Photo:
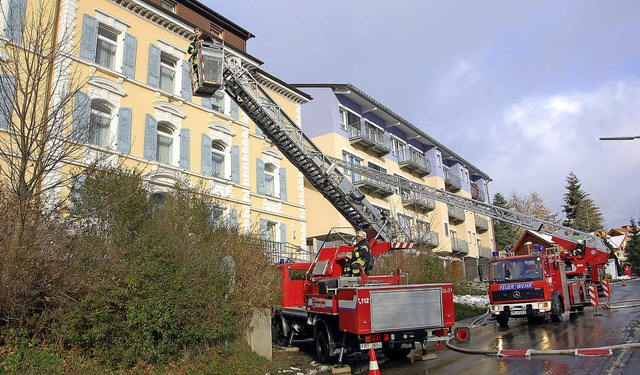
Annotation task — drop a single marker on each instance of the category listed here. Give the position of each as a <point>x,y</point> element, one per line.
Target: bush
<point>158,285</point>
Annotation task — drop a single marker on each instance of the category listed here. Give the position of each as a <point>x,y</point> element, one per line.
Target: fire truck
<point>545,282</point>
<point>340,312</point>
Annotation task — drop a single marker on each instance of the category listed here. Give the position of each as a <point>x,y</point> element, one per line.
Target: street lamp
<point>623,138</point>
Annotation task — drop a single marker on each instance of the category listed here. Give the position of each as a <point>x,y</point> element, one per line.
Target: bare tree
<point>38,89</point>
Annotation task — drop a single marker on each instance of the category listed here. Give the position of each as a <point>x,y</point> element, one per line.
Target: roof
<point>362,98</point>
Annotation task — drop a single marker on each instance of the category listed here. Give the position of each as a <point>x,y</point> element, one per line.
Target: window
<point>378,168</point>
<point>404,223</point>
<point>439,158</point>
<point>106,47</point>
<point>105,41</point>
<point>100,123</point>
<point>351,159</point>
<point>167,72</point>
<point>217,102</point>
<point>218,159</point>
<point>270,179</point>
<point>165,144</point>
<point>344,122</point>
<point>397,148</point>
<point>446,229</point>
<point>168,5</point>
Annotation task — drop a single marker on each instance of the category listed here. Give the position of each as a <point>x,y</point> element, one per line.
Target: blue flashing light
<point>540,248</point>
<point>495,254</point>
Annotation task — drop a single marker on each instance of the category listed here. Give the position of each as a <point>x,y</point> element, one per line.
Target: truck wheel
<point>394,353</point>
<point>322,346</point>
<point>502,320</point>
<point>277,331</point>
<point>556,311</point>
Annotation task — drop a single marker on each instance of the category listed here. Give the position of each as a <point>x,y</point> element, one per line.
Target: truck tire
<point>322,346</point>
<point>395,353</point>
<point>502,320</point>
<point>557,311</point>
<point>277,331</point>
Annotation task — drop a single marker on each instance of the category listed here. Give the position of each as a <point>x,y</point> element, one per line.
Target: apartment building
<point>133,55</point>
<point>348,124</point>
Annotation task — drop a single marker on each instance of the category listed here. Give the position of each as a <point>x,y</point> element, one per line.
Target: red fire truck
<point>545,282</point>
<point>343,313</point>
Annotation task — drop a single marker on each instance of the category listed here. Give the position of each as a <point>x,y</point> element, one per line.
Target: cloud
<point>541,139</point>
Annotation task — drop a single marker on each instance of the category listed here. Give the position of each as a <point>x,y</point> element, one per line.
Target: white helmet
<point>361,233</point>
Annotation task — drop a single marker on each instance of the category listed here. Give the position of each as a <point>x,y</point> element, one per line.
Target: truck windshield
<point>512,270</point>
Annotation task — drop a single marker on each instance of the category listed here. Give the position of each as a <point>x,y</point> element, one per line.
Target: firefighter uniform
<point>360,256</point>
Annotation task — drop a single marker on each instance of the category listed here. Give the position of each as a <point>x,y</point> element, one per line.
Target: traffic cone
<point>373,363</point>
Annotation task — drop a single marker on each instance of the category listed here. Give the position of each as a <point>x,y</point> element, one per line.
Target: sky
<point>521,89</point>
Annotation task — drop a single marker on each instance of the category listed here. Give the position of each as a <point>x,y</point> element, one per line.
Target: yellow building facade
<point>137,98</point>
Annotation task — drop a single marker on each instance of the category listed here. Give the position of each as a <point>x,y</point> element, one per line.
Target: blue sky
<point>521,89</point>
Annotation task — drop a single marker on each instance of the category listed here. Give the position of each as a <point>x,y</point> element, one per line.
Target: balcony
<point>370,138</point>
<point>456,214</point>
<point>426,238</point>
<point>459,247</point>
<point>415,162</point>
<point>482,224</point>
<point>476,193</point>
<point>373,186</point>
<point>452,183</point>
<point>418,201</point>
<point>485,252</point>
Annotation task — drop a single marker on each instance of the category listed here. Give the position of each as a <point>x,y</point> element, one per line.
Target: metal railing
<point>482,224</point>
<point>415,157</point>
<point>452,181</point>
<point>371,134</point>
<point>281,252</point>
<point>455,213</point>
<point>459,246</point>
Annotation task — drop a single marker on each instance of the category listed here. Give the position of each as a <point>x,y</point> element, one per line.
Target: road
<point>582,330</point>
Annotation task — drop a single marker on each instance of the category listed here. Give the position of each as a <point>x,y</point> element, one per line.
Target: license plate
<point>518,312</point>
<point>370,345</point>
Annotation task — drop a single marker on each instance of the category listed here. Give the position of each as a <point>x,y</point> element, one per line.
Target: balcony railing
<point>484,252</point>
<point>459,247</point>
<point>415,162</point>
<point>277,252</point>
<point>418,201</point>
<point>452,182</point>
<point>370,137</point>
<point>374,186</point>
<point>456,214</point>
<point>482,224</point>
<point>426,238</point>
<point>476,193</point>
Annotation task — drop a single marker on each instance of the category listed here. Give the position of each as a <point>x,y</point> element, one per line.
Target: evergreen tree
<point>633,246</point>
<point>505,234</point>
<point>581,213</point>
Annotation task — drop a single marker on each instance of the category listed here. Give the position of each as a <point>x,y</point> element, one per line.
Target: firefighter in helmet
<point>360,256</point>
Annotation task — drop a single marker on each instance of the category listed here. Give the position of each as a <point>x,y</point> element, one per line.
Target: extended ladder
<point>499,213</point>
<point>243,88</point>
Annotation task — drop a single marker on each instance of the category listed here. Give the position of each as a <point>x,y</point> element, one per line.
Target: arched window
<point>218,150</point>
<point>100,123</point>
<point>165,143</point>
<point>270,172</point>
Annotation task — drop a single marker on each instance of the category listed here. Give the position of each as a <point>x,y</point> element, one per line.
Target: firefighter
<point>360,256</point>
<point>195,46</point>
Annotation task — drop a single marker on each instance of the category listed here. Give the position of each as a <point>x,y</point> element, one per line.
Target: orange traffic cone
<point>373,363</point>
